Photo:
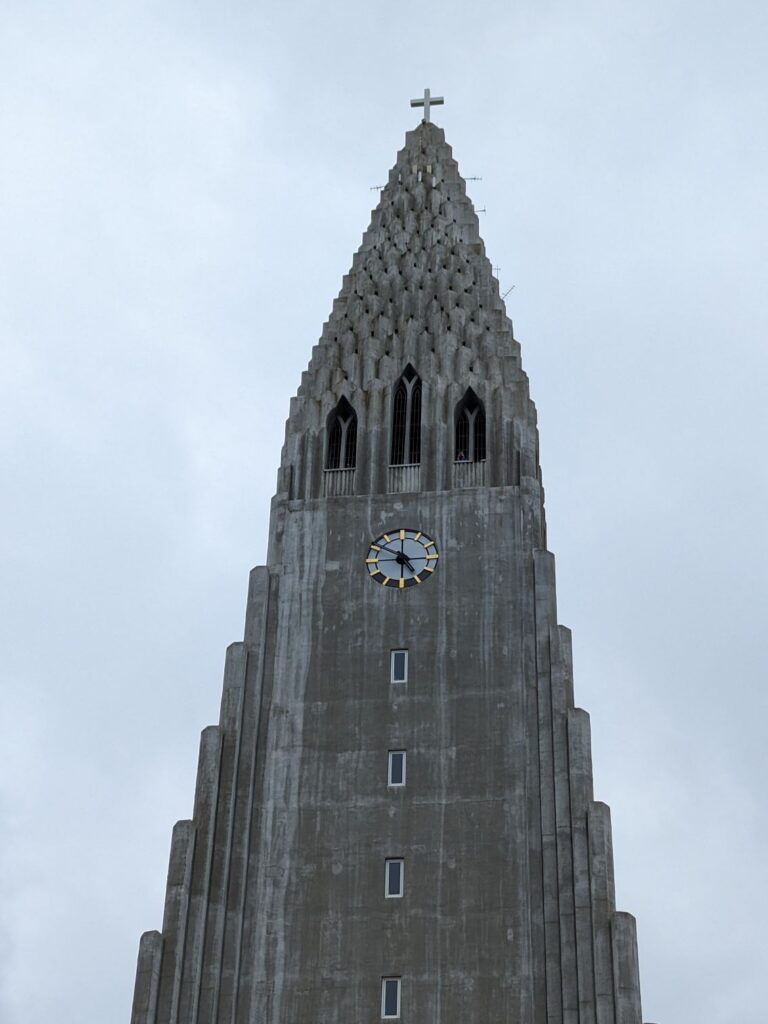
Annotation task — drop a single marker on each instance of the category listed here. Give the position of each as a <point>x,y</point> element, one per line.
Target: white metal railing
<point>404,478</point>
<point>338,482</point>
<point>468,474</point>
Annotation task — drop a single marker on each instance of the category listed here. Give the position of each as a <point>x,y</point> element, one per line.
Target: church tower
<point>394,818</point>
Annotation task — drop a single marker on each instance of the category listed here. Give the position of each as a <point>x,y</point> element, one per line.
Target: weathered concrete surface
<point>276,911</point>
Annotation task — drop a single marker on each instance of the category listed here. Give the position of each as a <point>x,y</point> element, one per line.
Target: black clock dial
<point>402,558</point>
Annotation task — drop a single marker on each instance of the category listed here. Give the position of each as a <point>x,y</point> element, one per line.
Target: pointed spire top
<point>426,102</point>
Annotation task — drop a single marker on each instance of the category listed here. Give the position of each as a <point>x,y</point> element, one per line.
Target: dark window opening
<point>414,449</point>
<point>390,998</point>
<point>341,452</point>
<point>462,438</point>
<point>480,435</point>
<point>399,666</point>
<point>470,436</point>
<point>334,446</point>
<point>406,420</point>
<point>393,879</point>
<point>396,772</point>
<point>350,448</point>
<point>399,413</point>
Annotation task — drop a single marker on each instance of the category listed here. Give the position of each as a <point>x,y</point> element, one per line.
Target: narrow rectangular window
<point>399,666</point>
<point>390,998</point>
<point>396,768</point>
<point>394,879</point>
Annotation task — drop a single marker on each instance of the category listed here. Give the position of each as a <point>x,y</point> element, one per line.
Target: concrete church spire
<point>394,818</point>
<point>421,292</point>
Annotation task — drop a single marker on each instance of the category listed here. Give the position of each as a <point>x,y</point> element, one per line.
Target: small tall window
<point>470,429</point>
<point>398,667</point>
<point>394,878</point>
<point>396,768</point>
<point>341,452</point>
<point>406,420</point>
<point>390,998</point>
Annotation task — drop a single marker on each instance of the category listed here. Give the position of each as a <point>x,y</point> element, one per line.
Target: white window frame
<point>398,982</point>
<point>387,863</point>
<point>398,650</point>
<point>390,783</point>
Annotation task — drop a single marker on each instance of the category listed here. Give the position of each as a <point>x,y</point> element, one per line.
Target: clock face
<point>402,558</point>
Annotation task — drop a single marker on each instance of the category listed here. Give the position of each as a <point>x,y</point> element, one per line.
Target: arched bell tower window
<point>406,420</point>
<point>342,437</point>
<point>470,429</point>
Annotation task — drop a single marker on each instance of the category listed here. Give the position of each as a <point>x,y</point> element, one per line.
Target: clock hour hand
<point>402,559</point>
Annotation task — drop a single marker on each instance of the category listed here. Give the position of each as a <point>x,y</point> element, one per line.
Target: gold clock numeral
<point>387,538</point>
<point>432,558</point>
<point>402,535</point>
<point>402,583</point>
<point>371,561</point>
<point>418,535</point>
<point>385,581</point>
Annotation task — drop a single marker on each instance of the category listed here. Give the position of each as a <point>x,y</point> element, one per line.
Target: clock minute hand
<point>399,556</point>
<point>391,552</point>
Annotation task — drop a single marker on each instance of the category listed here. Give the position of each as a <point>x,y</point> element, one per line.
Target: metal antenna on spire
<point>426,102</point>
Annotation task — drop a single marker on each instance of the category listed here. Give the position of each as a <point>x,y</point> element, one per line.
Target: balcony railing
<point>468,474</point>
<point>404,478</point>
<point>338,482</point>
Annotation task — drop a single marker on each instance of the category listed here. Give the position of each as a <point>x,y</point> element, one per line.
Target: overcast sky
<point>182,187</point>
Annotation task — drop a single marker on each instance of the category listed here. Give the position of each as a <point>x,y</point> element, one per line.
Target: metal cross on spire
<point>426,102</point>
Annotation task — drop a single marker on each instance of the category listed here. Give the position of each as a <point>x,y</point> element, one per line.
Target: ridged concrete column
<point>206,795</point>
<point>626,969</point>
<point>147,978</point>
<point>258,610</point>
<point>537,942</point>
<point>603,906</point>
<point>546,615</point>
<point>562,701</point>
<point>580,762</point>
<point>379,412</point>
<point>175,920</point>
<point>231,710</point>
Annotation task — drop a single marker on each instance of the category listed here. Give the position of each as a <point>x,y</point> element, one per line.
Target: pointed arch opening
<point>469,437</point>
<point>406,420</point>
<point>341,448</point>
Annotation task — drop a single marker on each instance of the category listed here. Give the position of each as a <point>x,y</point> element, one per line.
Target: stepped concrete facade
<point>411,450</point>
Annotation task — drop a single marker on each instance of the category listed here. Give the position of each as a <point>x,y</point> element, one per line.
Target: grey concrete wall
<point>275,908</point>
<point>508,910</point>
